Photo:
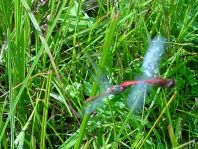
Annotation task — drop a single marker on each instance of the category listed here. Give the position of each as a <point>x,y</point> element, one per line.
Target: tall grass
<point>55,54</point>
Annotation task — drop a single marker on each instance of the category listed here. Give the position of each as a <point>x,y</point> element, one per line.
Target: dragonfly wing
<point>152,57</point>
<point>94,104</point>
<point>99,100</point>
<point>136,97</point>
<point>149,69</point>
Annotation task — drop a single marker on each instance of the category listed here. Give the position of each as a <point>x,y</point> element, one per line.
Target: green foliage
<point>55,54</point>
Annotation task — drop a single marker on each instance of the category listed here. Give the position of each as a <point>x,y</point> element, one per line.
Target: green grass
<point>55,55</point>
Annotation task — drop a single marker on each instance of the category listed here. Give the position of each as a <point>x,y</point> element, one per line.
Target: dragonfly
<point>143,84</point>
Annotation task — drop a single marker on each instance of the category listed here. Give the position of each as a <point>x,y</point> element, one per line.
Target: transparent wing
<point>149,69</point>
<point>152,57</point>
<point>94,104</point>
<point>99,100</point>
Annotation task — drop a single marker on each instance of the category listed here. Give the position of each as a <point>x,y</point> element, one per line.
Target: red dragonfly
<point>149,68</point>
<point>115,89</point>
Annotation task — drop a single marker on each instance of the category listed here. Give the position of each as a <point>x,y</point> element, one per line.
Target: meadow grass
<point>55,54</point>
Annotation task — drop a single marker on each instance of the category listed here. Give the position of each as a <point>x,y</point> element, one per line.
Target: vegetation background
<point>52,56</point>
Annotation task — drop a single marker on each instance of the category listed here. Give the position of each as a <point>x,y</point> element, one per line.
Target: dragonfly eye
<point>170,83</point>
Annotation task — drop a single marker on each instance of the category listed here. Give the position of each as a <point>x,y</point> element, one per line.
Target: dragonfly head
<point>170,83</point>
<point>115,89</point>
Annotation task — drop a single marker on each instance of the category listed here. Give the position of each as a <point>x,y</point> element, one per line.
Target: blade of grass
<point>4,143</point>
<point>172,136</point>
<point>45,111</point>
<point>103,62</point>
<point>20,137</point>
<point>109,37</point>
<point>178,128</point>
<point>159,117</point>
<point>43,40</point>
<point>185,144</point>
<point>11,100</point>
<point>82,131</point>
<point>36,60</point>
